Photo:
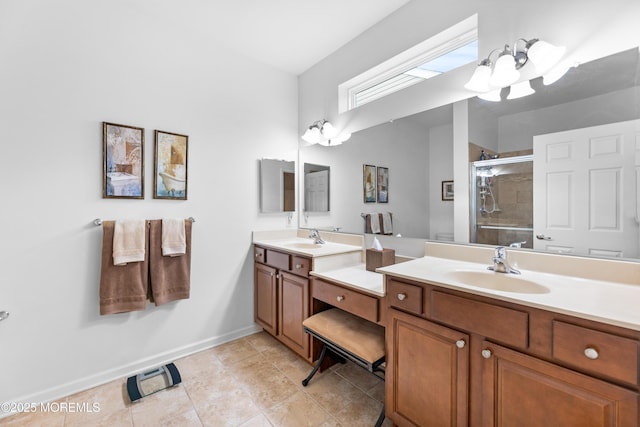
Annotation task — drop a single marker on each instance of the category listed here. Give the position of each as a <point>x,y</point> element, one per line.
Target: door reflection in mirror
<point>316,188</point>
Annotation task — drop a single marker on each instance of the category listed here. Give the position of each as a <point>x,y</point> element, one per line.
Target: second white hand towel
<point>129,241</point>
<point>174,241</point>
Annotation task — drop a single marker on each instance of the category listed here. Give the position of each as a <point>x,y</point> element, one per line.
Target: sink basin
<point>497,281</point>
<point>300,245</point>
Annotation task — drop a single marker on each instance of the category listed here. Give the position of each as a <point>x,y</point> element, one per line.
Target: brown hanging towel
<point>170,276</point>
<point>123,288</point>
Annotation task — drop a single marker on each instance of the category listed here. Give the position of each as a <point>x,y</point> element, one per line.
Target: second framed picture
<point>383,185</point>
<point>170,166</point>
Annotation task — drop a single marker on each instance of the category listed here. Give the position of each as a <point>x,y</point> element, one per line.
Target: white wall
<point>66,67</point>
<point>440,169</point>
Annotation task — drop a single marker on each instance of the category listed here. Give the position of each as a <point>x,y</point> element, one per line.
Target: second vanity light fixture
<point>489,77</point>
<point>324,133</point>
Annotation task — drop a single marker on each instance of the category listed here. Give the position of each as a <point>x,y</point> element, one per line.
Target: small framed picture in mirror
<point>447,190</point>
<point>383,184</point>
<point>369,183</point>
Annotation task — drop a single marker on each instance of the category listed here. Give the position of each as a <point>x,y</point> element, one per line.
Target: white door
<point>586,195</point>
<point>316,191</point>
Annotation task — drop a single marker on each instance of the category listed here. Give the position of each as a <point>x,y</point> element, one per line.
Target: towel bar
<point>98,222</point>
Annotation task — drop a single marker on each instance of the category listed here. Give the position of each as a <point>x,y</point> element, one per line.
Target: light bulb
<point>504,72</point>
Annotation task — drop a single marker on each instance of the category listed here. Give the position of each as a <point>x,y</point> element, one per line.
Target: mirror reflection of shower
<point>502,201</point>
<point>485,174</point>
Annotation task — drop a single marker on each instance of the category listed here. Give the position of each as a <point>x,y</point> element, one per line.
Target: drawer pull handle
<point>402,297</point>
<point>591,353</point>
<point>258,255</point>
<point>460,343</point>
<point>298,266</point>
<point>486,353</point>
<point>340,298</point>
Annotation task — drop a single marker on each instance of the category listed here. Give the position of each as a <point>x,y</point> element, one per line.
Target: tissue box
<point>376,258</point>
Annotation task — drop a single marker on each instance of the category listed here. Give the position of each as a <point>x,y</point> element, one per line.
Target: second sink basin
<point>497,281</point>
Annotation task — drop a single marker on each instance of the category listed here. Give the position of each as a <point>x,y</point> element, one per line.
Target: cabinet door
<point>265,301</point>
<point>427,373</point>
<point>294,308</point>
<point>520,390</point>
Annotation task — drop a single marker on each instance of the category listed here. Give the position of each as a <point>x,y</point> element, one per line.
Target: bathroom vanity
<point>558,344</point>
<point>547,351</point>
<point>282,296</point>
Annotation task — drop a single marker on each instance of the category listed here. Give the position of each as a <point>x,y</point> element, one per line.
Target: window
<point>450,49</point>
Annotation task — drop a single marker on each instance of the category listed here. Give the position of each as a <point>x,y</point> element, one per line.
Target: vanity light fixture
<point>505,71</point>
<point>324,133</point>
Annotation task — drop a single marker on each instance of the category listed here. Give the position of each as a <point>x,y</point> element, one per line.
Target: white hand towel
<point>375,223</point>
<point>174,241</point>
<point>386,223</point>
<point>129,241</point>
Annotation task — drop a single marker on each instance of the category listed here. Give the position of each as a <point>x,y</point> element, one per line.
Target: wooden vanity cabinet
<point>427,372</point>
<point>281,296</point>
<point>519,366</point>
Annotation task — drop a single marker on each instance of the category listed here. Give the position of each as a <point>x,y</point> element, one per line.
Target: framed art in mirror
<point>170,166</point>
<point>369,183</point>
<point>123,161</point>
<point>447,190</point>
<point>383,184</point>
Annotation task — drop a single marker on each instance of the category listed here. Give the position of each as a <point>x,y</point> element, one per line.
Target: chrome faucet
<point>316,236</point>
<point>500,263</point>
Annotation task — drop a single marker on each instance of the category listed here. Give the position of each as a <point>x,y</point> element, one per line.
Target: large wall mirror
<point>418,150</point>
<point>277,186</point>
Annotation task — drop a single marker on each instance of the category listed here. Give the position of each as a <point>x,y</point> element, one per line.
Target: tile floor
<point>251,382</point>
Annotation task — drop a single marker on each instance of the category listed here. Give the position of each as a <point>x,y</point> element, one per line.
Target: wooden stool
<point>348,337</point>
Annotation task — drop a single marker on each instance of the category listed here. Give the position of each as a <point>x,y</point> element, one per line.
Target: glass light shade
<point>493,96</point>
<point>479,81</point>
<point>545,55</point>
<point>504,72</point>
<point>520,90</point>
<point>556,73</point>
<point>312,135</point>
<point>330,142</point>
<point>328,131</point>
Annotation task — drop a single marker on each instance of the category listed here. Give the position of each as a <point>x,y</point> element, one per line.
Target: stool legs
<point>323,353</point>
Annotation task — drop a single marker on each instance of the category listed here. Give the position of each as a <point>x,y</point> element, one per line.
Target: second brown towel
<point>170,277</point>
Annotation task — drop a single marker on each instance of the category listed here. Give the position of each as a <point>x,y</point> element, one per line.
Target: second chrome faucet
<point>500,263</point>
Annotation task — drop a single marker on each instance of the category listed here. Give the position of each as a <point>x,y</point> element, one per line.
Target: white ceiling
<point>292,35</point>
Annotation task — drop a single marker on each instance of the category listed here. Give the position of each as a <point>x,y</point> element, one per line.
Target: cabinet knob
<point>258,255</point>
<point>591,353</point>
<point>270,274</point>
<point>486,353</point>
<point>402,297</point>
<point>277,276</point>
<point>298,266</point>
<point>340,298</point>
<point>460,343</point>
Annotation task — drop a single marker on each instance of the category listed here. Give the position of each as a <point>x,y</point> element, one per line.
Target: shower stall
<point>502,201</point>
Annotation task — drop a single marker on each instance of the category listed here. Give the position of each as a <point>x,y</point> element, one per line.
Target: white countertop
<point>306,247</point>
<point>355,277</point>
<point>607,302</point>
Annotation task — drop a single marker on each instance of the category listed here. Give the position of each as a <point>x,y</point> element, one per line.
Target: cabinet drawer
<point>595,351</point>
<point>356,303</point>
<point>277,259</point>
<point>405,296</point>
<point>300,266</point>
<point>258,254</point>
<point>491,321</point>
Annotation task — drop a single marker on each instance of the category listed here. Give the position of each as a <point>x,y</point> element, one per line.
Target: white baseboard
<point>81,384</point>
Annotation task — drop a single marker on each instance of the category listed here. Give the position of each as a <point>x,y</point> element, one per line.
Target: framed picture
<point>447,190</point>
<point>170,166</point>
<point>369,183</point>
<point>123,161</point>
<point>383,185</point>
